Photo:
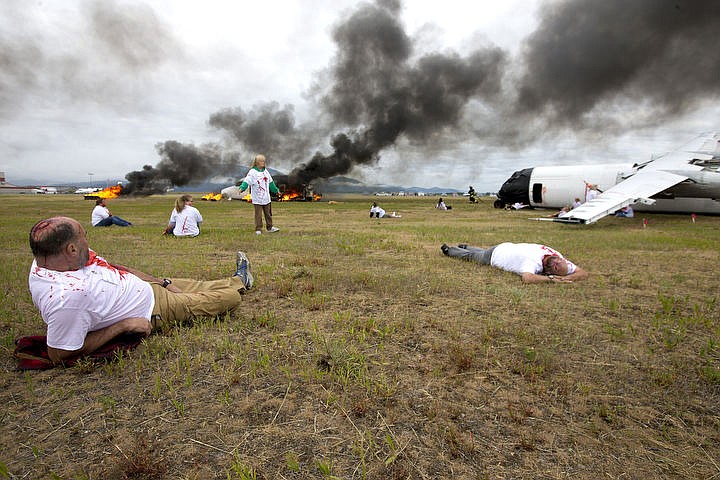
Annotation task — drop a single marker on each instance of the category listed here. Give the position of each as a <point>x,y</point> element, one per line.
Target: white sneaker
<point>258,232</point>
<point>273,230</point>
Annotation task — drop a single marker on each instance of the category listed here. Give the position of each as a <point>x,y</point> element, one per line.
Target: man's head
<point>60,242</point>
<point>554,265</point>
<point>100,201</point>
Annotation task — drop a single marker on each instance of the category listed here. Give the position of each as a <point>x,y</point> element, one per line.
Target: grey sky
<point>93,86</point>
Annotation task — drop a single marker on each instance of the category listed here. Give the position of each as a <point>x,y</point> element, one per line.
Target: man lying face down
<point>86,301</point>
<point>535,263</point>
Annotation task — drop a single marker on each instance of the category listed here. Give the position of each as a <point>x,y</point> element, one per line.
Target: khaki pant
<point>198,298</point>
<point>261,210</point>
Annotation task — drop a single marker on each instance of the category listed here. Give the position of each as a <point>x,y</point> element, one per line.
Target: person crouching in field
<point>87,301</point>
<point>261,186</point>
<point>185,219</point>
<point>535,263</point>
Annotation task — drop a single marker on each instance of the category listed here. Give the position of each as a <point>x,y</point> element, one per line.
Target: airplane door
<point>537,193</point>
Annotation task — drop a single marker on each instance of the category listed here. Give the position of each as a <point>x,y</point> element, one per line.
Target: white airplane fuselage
<point>559,186</point>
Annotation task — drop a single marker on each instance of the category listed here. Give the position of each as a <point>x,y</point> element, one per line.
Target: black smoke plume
<point>181,165</point>
<point>587,54</point>
<point>377,83</point>
<point>591,66</point>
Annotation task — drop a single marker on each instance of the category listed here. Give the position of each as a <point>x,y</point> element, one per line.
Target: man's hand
<point>528,277</point>
<point>137,325</point>
<point>578,275</point>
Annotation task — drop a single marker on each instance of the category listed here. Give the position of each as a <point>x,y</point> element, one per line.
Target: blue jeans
<point>112,220</point>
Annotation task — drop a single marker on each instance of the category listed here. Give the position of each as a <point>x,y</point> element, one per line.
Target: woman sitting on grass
<point>185,219</point>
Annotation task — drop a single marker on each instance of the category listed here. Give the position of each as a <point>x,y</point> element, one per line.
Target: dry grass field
<point>363,352</point>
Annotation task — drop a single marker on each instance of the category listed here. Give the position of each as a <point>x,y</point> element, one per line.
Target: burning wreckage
<point>289,191</point>
<point>107,193</point>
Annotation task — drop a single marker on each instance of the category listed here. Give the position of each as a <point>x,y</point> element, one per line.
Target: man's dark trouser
<point>472,254</point>
<point>260,211</point>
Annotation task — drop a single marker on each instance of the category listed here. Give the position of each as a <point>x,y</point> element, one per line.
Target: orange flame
<point>213,197</point>
<point>286,197</point>
<point>110,192</point>
<point>294,194</point>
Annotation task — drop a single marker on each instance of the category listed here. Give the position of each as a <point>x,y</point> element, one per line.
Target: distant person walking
<point>472,195</point>
<point>101,216</point>
<point>185,219</point>
<point>261,186</point>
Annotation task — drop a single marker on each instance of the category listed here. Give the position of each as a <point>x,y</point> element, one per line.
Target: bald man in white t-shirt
<point>534,263</point>
<point>87,301</point>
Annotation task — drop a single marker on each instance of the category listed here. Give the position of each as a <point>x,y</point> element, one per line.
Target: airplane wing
<point>636,189</point>
<point>650,178</point>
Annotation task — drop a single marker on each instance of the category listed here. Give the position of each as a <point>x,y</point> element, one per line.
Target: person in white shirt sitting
<point>185,219</point>
<point>101,216</point>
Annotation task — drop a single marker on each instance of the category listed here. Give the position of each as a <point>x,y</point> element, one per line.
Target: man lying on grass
<point>535,263</point>
<point>86,301</point>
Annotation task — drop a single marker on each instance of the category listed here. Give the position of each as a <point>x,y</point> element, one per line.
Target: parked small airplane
<point>685,180</point>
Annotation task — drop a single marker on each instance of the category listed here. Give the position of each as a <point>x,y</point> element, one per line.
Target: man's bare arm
<point>141,275</point>
<point>528,277</point>
<point>98,338</point>
<point>578,275</point>
<point>147,277</point>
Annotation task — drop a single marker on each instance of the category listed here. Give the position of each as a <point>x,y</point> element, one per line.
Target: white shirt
<point>187,222</point>
<point>259,185</point>
<point>524,257</point>
<point>378,210</point>
<point>99,213</point>
<point>96,296</point>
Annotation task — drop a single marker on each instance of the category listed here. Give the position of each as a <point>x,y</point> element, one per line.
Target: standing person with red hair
<point>261,186</point>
